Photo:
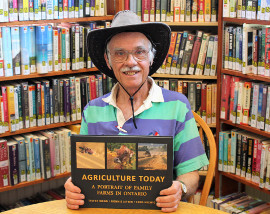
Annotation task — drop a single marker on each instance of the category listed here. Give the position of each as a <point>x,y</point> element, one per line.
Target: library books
<point>174,11</point>
<point>202,96</point>
<point>42,49</point>
<point>246,155</point>
<point>245,102</point>
<point>43,102</point>
<point>247,9</point>
<point>24,10</point>
<point>245,49</point>
<point>30,157</point>
<point>240,202</point>
<point>191,54</point>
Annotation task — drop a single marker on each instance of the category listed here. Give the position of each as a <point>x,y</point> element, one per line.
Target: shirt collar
<point>155,94</point>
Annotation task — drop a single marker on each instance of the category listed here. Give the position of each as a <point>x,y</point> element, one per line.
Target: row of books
<point>174,10</point>
<point>33,156</point>
<point>245,102</point>
<point>43,102</point>
<point>197,197</point>
<point>50,195</point>
<point>249,9</point>
<point>191,54</point>
<point>246,49</point>
<point>43,49</point>
<point>202,96</point>
<point>246,155</point>
<point>241,202</point>
<point>24,10</point>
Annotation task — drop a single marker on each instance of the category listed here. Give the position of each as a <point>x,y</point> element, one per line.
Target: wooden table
<point>59,207</point>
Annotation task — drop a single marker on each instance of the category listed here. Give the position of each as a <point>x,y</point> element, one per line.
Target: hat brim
<point>159,33</point>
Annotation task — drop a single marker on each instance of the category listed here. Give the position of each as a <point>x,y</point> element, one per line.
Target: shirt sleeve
<point>189,154</point>
<point>84,127</point>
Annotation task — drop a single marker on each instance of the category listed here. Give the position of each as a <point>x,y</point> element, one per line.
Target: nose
<point>130,60</point>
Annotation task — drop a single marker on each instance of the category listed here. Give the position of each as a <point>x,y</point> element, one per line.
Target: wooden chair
<point>203,127</point>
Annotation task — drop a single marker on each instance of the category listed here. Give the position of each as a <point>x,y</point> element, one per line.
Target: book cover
<point>195,52</point>
<point>37,9</point>
<point>4,168</point>
<point>29,147</point>
<point>264,101</point>
<point>181,52</point>
<point>250,143</point>
<point>67,146</point>
<point>260,104</point>
<point>198,97</point>
<point>209,104</point>
<point>187,54</point>
<point>171,52</point>
<point>203,101</point>
<point>67,105</point>
<point>106,164</point>
<point>209,55</point>
<point>264,156</point>
<point>188,11</point>
<point>202,54</point>
<point>192,95</point>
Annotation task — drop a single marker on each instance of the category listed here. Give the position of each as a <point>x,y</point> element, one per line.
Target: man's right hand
<point>74,198</point>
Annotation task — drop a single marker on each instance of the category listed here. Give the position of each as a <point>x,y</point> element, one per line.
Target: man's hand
<point>74,198</point>
<point>170,198</point>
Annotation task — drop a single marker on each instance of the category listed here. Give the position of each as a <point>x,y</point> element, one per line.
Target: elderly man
<point>131,51</point>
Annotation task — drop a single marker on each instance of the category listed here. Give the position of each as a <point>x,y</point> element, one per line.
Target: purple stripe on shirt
<point>98,102</point>
<point>103,128</point>
<point>188,150</point>
<point>173,96</point>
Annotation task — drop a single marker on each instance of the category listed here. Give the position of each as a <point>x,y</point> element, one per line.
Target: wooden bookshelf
<point>248,128</point>
<point>39,128</point>
<point>246,76</point>
<point>47,21</point>
<point>50,74</point>
<point>244,181</point>
<point>247,21</point>
<point>29,183</point>
<point>192,24</point>
<point>171,76</point>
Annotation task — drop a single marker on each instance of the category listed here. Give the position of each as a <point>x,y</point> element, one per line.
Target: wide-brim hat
<point>127,21</point>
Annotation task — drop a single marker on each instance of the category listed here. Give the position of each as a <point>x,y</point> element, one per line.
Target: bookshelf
<point>227,182</point>
<point>184,76</point>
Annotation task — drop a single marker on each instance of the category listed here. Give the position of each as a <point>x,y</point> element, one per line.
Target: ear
<point>107,61</point>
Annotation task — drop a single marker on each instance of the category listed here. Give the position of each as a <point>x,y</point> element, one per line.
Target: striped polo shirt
<point>163,113</point>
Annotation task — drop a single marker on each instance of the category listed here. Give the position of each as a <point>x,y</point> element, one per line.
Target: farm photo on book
<point>121,171</point>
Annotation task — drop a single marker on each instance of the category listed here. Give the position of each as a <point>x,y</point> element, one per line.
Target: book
<point>8,65</point>
<point>42,49</point>
<point>16,50</point>
<point>13,162</point>
<point>4,169</point>
<point>94,147</point>
<point>225,94</point>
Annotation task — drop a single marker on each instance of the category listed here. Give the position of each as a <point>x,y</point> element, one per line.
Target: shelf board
<point>50,74</point>
<point>192,23</point>
<point>184,76</point>
<point>39,128</point>
<point>84,19</point>
<point>247,76</point>
<point>29,183</point>
<point>247,21</point>
<point>244,181</point>
<point>248,128</point>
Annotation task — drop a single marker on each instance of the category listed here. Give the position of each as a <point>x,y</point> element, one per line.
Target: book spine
<point>55,86</point>
<point>246,102</point>
<point>267,116</point>
<point>42,49</point>
<point>176,52</point>
<point>47,157</point>
<point>72,98</point>
<point>65,9</point>
<point>24,42</point>
<point>187,54</point>
<point>209,56</point>
<point>191,95</point>
<point>4,168</point>
<point>31,9</point>
<point>250,144</point>
<point>77,47</point>
<point>11,108</point>
<point>13,163</point>
<point>220,153</point>
<point>25,105</point>
<point>32,48</point>
<point>260,103</point>
<point>1,55</point>
<point>16,107</point>
<point>225,97</point>
<point>55,50</point>
<point>146,10</point>
<point>36,145</point>
<point>195,52</point>
<point>16,50</point>
<point>8,65</point>
<point>208,104</point>
<point>214,103</point>
<point>87,8</point>
<point>1,11</point>
<point>25,10</point>
<point>60,9</point>
<point>61,100</point>
<point>258,163</point>
<point>67,100</point>
<point>63,49</point>
<point>233,151</point>
<point>50,48</point>
<point>37,9</point>
<point>254,160</point>
<point>19,91</point>
<point>254,109</point>
<point>46,85</point>
<point>49,9</point>
<point>264,101</point>
<point>68,49</point>
<point>31,106</point>
<point>81,52</point>
<point>263,165</point>
<point>78,98</point>
<point>170,52</point>
<point>239,114</point>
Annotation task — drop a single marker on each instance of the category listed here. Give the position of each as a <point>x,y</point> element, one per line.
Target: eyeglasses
<point>122,55</point>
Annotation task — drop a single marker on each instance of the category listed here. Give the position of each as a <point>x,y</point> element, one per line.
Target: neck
<point>139,97</point>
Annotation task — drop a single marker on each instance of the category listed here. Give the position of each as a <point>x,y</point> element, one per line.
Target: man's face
<point>131,73</point>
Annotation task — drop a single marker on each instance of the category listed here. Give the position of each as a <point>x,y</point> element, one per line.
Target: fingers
<point>173,189</point>
<point>71,187</point>
<point>74,198</point>
<point>168,210</point>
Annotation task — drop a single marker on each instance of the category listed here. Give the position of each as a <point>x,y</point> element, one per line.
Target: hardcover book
<point>121,171</point>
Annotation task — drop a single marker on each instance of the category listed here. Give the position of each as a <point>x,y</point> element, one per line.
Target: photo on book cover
<point>121,171</point>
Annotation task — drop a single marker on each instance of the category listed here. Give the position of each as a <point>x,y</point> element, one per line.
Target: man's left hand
<point>170,198</point>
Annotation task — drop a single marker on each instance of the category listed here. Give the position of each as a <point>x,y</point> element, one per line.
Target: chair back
<point>203,127</point>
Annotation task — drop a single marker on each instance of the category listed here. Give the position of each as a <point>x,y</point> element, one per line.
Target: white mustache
<point>125,69</point>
